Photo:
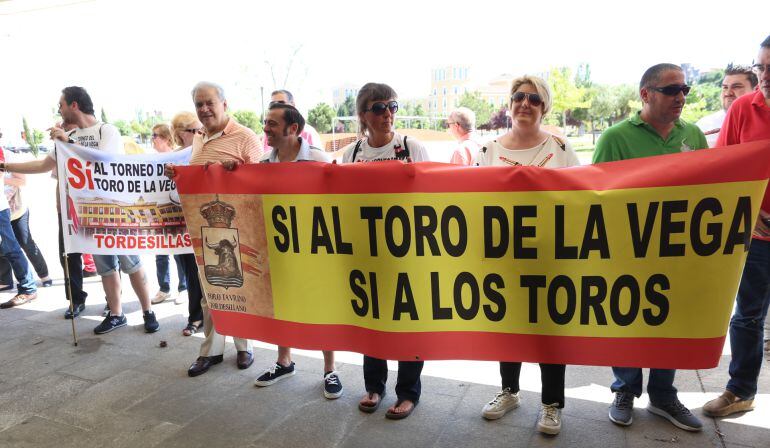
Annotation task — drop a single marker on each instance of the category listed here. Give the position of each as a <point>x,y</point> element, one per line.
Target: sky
<point>141,55</point>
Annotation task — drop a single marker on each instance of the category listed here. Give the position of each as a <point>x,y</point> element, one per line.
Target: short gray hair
<point>464,117</point>
<point>288,94</point>
<point>209,85</point>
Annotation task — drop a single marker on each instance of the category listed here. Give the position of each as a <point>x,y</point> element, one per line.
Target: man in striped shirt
<point>230,144</point>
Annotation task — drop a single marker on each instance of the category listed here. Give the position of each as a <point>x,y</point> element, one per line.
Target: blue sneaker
<point>677,414</point>
<point>332,385</point>
<point>151,324</point>
<point>111,323</point>
<point>274,374</point>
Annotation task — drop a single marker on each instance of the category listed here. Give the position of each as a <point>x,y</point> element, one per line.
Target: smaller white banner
<point>115,204</point>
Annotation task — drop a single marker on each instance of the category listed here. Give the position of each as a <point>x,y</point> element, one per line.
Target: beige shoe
<point>160,297</point>
<point>181,297</point>
<point>726,404</point>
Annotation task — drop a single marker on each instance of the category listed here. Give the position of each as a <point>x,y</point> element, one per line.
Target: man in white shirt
<point>76,108</point>
<point>308,134</point>
<point>283,127</point>
<point>737,82</point>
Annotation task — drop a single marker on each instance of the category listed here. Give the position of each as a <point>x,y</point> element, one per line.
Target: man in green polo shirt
<point>655,130</point>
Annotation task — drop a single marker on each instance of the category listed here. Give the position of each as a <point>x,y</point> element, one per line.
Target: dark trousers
<point>551,378</point>
<point>75,265</point>
<point>24,237</point>
<point>194,291</point>
<point>408,386</point>
<point>746,325</point>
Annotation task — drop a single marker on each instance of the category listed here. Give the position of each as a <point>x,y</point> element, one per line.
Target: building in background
<point>342,92</point>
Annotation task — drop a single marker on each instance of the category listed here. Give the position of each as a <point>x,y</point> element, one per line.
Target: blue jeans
<point>660,385</point>
<point>746,326</point>
<point>12,252</point>
<point>164,278</point>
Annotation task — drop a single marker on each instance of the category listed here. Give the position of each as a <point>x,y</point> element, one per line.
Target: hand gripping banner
<point>631,263</point>
<point>116,204</point>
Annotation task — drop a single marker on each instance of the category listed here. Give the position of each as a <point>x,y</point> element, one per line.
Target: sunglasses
<point>533,98</point>
<point>273,103</point>
<point>155,135</point>
<point>191,131</point>
<point>380,107</point>
<point>672,89</point>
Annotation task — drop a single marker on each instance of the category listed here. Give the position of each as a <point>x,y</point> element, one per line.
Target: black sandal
<point>192,328</point>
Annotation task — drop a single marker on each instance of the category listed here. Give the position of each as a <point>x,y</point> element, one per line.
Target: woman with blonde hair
<point>527,144</point>
<point>184,126</point>
<point>163,142</point>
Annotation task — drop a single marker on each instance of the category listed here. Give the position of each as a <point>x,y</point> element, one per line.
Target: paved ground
<point>124,390</point>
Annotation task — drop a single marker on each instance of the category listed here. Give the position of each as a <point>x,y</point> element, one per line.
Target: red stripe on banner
<point>663,353</point>
<point>730,164</point>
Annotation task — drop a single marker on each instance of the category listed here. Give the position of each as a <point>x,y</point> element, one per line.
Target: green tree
<point>321,117</point>
<point>482,109</point>
<point>104,116</point>
<point>248,118</point>
<point>140,128</point>
<point>123,127</point>
<point>567,95</point>
<point>347,108</point>
<point>33,137</point>
<point>702,100</point>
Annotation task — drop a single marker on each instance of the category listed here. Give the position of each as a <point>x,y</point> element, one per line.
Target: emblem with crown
<point>218,214</point>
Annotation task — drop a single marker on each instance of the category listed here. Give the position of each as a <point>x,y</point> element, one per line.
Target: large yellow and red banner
<point>631,263</point>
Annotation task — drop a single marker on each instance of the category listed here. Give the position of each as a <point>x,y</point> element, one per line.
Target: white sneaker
<point>549,420</point>
<point>503,402</point>
<point>180,298</point>
<point>160,297</point>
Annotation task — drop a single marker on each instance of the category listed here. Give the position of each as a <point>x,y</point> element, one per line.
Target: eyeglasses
<point>273,103</point>
<point>533,98</point>
<point>450,123</point>
<point>672,89</point>
<point>191,131</point>
<point>380,107</point>
<point>761,68</point>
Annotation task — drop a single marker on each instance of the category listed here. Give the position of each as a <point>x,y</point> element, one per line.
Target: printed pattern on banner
<point>630,263</point>
<point>120,204</point>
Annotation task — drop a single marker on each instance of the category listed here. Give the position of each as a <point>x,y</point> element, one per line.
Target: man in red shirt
<point>747,120</point>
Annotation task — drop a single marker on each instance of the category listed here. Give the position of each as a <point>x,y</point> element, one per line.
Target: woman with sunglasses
<point>527,144</point>
<point>376,106</point>
<point>184,126</point>
<point>162,141</point>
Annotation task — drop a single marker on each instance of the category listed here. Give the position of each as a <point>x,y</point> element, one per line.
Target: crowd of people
<point>217,138</point>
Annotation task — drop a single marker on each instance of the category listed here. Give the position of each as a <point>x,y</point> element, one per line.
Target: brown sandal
<point>400,415</point>
<point>372,407</point>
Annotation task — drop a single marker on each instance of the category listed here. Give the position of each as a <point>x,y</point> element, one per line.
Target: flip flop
<point>370,408</point>
<point>400,415</point>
